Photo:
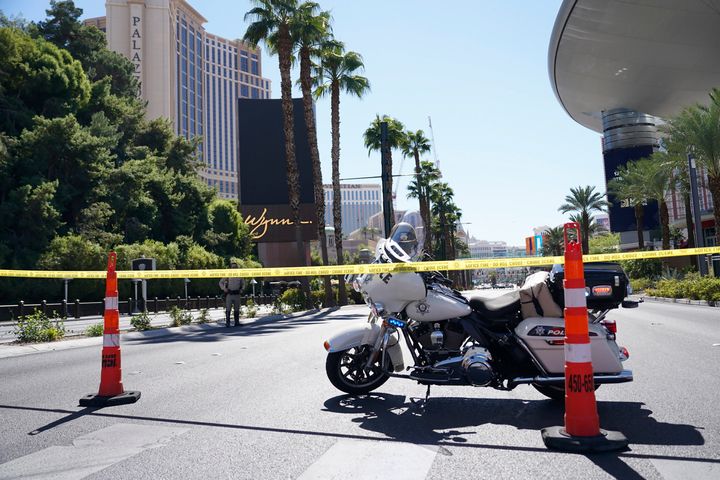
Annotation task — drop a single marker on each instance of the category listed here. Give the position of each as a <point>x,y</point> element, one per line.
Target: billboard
<point>622,217</point>
<point>263,191</point>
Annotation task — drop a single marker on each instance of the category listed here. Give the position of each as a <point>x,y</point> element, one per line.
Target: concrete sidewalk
<point>75,328</point>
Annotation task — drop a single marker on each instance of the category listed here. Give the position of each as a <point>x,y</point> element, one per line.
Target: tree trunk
<point>585,227</point>
<point>639,220</point>
<point>391,205</point>
<point>337,211</point>
<point>306,86</point>
<point>293,177</point>
<point>424,208</point>
<point>665,224</point>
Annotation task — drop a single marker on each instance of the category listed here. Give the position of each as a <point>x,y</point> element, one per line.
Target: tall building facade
<point>188,76</point>
<point>358,202</point>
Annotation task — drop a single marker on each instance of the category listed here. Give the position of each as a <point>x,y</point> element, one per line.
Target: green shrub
<point>180,317</point>
<point>643,268</point>
<point>37,327</point>
<point>693,287</point>
<point>293,298</point>
<point>317,297</point>
<point>277,306</point>
<point>250,309</point>
<point>94,330</point>
<point>141,322</point>
<point>203,316</point>
<point>640,284</point>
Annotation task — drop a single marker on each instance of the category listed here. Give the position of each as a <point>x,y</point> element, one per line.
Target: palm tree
<point>338,71</point>
<point>415,144</point>
<point>271,23</point>
<point>657,173</point>
<point>396,138</point>
<point>553,241</point>
<point>698,129</point>
<point>420,188</point>
<point>584,201</point>
<point>310,30</point>
<point>681,181</point>
<point>443,209</point>
<point>628,186</point>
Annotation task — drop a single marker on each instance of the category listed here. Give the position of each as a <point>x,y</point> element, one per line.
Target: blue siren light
<point>396,322</point>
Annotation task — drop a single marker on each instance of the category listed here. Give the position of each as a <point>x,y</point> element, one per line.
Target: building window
<point>244,91</point>
<point>244,64</point>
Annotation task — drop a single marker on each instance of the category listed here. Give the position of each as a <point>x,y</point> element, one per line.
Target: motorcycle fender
<point>365,334</point>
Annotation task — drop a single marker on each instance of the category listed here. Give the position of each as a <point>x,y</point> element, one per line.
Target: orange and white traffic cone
<point>111,391</point>
<point>581,432</point>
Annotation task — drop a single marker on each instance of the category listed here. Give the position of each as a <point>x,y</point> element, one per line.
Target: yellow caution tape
<point>465,264</point>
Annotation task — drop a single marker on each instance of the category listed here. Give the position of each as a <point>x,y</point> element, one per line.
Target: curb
<point>680,301</point>
<point>10,351</point>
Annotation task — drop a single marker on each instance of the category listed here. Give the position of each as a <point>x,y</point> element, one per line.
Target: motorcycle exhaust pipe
<point>622,377</point>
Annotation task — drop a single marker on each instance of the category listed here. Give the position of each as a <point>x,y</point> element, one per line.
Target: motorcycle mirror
<point>630,304</point>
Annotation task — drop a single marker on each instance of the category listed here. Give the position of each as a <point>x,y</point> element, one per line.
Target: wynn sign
<point>264,199</point>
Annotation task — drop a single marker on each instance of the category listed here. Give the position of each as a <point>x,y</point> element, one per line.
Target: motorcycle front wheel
<point>346,371</point>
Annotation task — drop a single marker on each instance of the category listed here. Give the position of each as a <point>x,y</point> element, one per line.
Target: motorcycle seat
<point>504,307</point>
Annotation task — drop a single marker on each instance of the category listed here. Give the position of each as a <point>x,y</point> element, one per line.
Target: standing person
<point>232,287</point>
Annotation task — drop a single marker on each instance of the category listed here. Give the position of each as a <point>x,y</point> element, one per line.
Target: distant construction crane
<point>434,146</point>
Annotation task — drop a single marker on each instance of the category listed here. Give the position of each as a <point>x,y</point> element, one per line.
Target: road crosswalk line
<point>89,453</point>
<point>366,460</point>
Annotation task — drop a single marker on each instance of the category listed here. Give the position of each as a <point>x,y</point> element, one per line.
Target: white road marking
<point>682,470</point>
<point>180,363</point>
<point>365,460</point>
<point>716,344</point>
<point>89,453</point>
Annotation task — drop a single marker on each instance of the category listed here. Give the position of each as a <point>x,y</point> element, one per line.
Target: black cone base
<point>557,438</point>
<point>92,400</point>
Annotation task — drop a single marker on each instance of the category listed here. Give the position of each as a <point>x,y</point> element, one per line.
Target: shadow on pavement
<point>262,326</point>
<point>68,418</point>
<point>401,421</point>
<point>445,418</point>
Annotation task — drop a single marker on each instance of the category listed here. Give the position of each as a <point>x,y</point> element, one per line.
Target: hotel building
<point>189,76</point>
<point>358,202</point>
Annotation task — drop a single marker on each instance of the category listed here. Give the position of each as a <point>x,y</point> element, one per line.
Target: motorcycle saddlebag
<point>606,285</point>
<point>536,300</point>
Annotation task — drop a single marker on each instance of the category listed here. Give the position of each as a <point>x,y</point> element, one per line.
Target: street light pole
<point>697,217</point>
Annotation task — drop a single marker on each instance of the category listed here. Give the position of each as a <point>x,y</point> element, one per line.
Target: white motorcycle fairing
<point>436,307</point>
<point>366,334</point>
<point>393,290</point>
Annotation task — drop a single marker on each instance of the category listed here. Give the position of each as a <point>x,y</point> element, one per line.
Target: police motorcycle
<point>454,340</point>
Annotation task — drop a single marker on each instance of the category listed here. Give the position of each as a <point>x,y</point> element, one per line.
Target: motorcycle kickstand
<point>421,404</point>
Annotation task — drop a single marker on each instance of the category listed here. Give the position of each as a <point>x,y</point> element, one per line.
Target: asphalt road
<point>254,402</point>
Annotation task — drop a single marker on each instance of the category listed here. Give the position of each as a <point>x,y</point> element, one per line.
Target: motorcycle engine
<point>477,367</point>
<point>427,334</point>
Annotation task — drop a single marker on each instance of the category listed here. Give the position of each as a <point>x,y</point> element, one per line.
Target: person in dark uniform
<point>232,286</point>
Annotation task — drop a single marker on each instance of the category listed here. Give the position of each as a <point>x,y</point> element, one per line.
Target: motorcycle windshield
<point>404,235</point>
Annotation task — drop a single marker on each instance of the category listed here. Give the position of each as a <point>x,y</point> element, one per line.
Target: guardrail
<point>78,309</point>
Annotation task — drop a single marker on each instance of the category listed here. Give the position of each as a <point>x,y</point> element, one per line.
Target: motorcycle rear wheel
<point>346,371</point>
<point>553,392</point>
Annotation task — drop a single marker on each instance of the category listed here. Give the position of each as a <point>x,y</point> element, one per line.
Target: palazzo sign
<point>264,199</point>
<point>136,42</point>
